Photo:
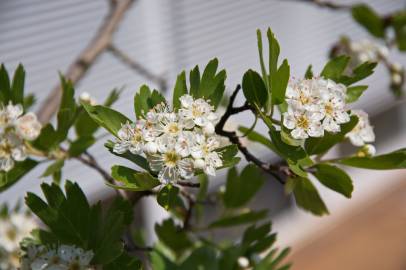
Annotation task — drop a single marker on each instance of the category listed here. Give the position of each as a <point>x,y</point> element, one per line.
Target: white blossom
<point>15,129</point>
<point>13,228</point>
<point>175,143</point>
<point>87,98</point>
<point>363,132</point>
<point>63,257</point>
<point>314,106</point>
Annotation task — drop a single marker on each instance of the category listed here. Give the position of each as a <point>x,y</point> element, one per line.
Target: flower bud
<point>243,262</point>
<point>150,148</point>
<point>199,163</point>
<point>396,78</point>
<point>368,150</point>
<point>208,129</point>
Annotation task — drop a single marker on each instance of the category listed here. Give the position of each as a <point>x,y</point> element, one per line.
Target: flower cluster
<point>15,129</point>
<point>314,106</point>
<point>63,257</point>
<point>176,143</point>
<point>13,229</point>
<point>366,50</point>
<point>362,134</point>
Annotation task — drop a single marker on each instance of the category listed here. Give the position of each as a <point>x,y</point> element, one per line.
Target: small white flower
<point>130,137</point>
<point>243,262</point>
<point>363,132</point>
<point>28,127</point>
<point>204,150</point>
<point>87,98</point>
<point>196,112</point>
<point>303,124</point>
<point>333,108</point>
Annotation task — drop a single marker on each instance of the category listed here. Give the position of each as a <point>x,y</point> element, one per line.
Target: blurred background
<point>164,37</point>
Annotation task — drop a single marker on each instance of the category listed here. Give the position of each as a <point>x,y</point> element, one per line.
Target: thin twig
<point>138,68</point>
<point>327,4</point>
<point>189,212</point>
<point>88,56</point>
<point>232,136</point>
<point>188,184</point>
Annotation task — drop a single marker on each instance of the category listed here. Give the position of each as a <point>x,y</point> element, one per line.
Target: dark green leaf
<point>137,159</point>
<point>254,88</point>
<point>28,101</point>
<point>334,178</point>
<point>80,145</point>
<point>168,197</point>
<point>241,189</point>
<point>399,25</point>
<point>47,140</point>
<point>132,180</point>
<point>141,101</point>
<point>335,67</point>
<point>112,97</point>
<point>369,19</point>
<point>7,179</point>
<point>287,151</point>
<point>279,83</point>
<point>354,92</point>
<point>67,110</point>
<point>5,89</point>
<point>194,79</point>
<point>228,155</point>
<point>316,146</point>
<point>180,89</point>
<point>390,161</point>
<point>243,218</point>
<point>124,262</point>
<point>359,73</point>
<point>256,137</point>
<point>17,87</point>
<point>173,236</point>
<point>309,72</point>
<point>108,118</point>
<point>261,60</point>
<point>204,257</point>
<point>54,167</point>
<point>308,198</point>
<point>273,56</point>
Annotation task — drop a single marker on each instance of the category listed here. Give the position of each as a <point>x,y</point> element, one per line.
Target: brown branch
<point>232,136</point>
<point>188,184</point>
<point>88,56</point>
<point>327,4</point>
<point>131,63</point>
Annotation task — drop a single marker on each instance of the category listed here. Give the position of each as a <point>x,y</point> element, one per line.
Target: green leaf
<point>399,25</point>
<point>254,88</point>
<point>136,159</point>
<point>240,189</point>
<point>7,179</point>
<point>67,110</point>
<point>194,78</point>
<point>161,262</point>
<point>168,197</point>
<point>354,92</point>
<point>359,73</point>
<point>335,67</point>
<point>29,101</point>
<point>309,72</point>
<point>228,155</point>
<point>273,56</point>
<point>287,151</point>
<point>80,145</point>
<point>48,138</point>
<point>334,178</point>
<point>141,101</point>
<point>308,198</point>
<point>243,218</point>
<point>132,180</point>
<point>17,87</point>
<point>112,97</point>
<point>280,82</point>
<point>204,257</point>
<point>173,236</point>
<point>390,161</point>
<point>84,124</point>
<point>257,137</point>
<point>5,89</point>
<point>316,146</point>
<point>180,89</point>
<point>54,167</point>
<point>124,262</point>
<point>208,82</point>
<point>261,61</point>
<point>369,19</point>
<point>270,262</point>
<point>108,118</point>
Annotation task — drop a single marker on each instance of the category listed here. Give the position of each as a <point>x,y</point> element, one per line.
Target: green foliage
<point>279,83</point>
<point>132,180</point>
<point>228,155</point>
<point>369,19</point>
<point>7,179</point>
<point>173,236</point>
<point>168,197</point>
<point>54,167</point>
<point>316,146</point>
<point>180,89</point>
<point>241,188</point>
<point>144,100</point>
<point>354,92</point>
<point>254,88</point>
<point>294,153</point>
<point>335,68</point>
<point>17,86</point>
<point>239,219</point>
<point>67,110</point>
<point>309,72</point>
<point>359,73</point>
<point>108,118</point>
<point>80,145</point>
<point>307,197</point>
<point>71,220</point>
<point>399,23</point>
<point>334,178</point>
<point>136,159</point>
<point>390,161</point>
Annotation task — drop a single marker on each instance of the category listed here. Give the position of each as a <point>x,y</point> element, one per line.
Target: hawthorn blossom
<point>63,257</point>
<point>175,143</point>
<point>363,132</point>
<point>15,129</point>
<point>366,50</point>
<point>13,228</point>
<point>87,98</point>
<point>314,106</point>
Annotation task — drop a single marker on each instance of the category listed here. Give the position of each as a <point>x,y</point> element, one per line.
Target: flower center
<point>137,138</point>
<point>171,158</point>
<point>304,99</point>
<point>11,234</point>
<point>173,128</point>
<point>329,108</point>
<point>196,112</point>
<point>302,122</point>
